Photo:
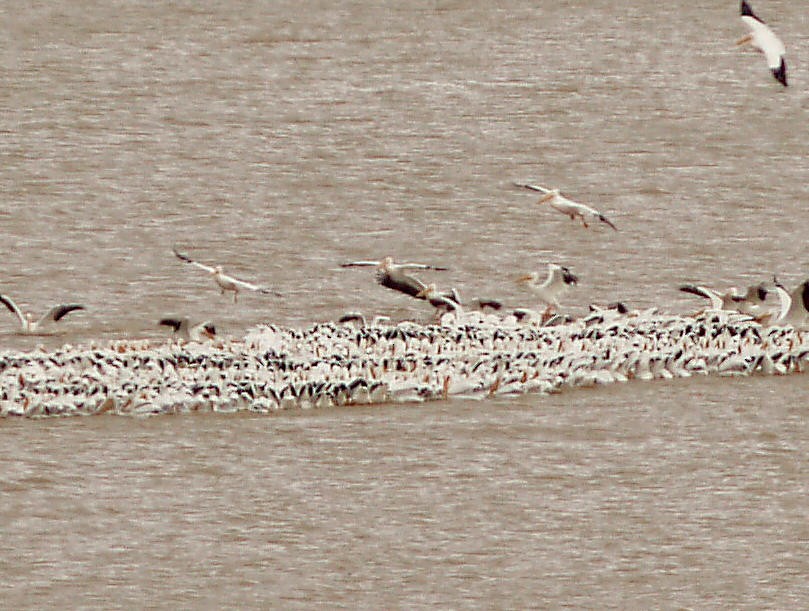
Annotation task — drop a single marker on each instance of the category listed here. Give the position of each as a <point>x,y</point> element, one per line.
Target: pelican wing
<point>174,323</point>
<point>352,317</point>
<point>396,265</point>
<point>9,303</point>
<point>266,291</point>
<point>765,40</point>
<point>494,304</point>
<point>606,221</point>
<point>402,283</point>
<point>804,289</point>
<point>56,313</point>
<point>186,259</point>
<point>242,284</point>
<point>537,188</point>
<point>252,287</point>
<point>785,302</point>
<point>701,291</point>
<point>421,266</point>
<point>361,264</point>
<point>798,304</point>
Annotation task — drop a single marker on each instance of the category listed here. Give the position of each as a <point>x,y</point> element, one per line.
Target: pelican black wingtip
<point>780,73</point>
<point>747,11</point>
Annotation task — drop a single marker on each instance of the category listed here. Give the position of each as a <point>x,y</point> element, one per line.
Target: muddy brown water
<point>280,139</point>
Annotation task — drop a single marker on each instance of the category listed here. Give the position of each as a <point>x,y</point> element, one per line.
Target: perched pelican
<point>392,275</point>
<point>557,281</point>
<point>749,303</point>
<point>225,282</point>
<point>794,307</point>
<point>28,325</point>
<point>185,330</point>
<point>572,209</point>
<point>764,40</point>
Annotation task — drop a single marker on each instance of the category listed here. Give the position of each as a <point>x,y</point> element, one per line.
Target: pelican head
<point>217,270</point>
<point>386,264</point>
<point>760,292</point>
<point>525,279</point>
<point>208,330</point>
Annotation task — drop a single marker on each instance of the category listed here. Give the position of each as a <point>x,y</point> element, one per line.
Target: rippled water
<point>282,138</point>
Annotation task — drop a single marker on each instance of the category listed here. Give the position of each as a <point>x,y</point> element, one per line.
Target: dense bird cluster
<point>333,364</point>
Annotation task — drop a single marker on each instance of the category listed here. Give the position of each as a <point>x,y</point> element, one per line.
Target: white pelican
<point>557,281</point>
<point>225,282</point>
<point>30,326</point>
<point>392,275</point>
<point>184,329</point>
<point>568,207</point>
<point>764,40</point>
<point>749,303</point>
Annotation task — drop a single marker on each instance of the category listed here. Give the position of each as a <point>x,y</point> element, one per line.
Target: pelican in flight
<point>549,291</point>
<point>392,275</point>
<point>28,325</point>
<point>764,40</point>
<point>750,303</point>
<point>574,210</point>
<point>225,282</point>
<point>183,329</point>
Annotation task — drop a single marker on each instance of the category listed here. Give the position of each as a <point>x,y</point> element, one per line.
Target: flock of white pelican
<point>474,355</point>
<point>475,349</point>
<point>481,351</point>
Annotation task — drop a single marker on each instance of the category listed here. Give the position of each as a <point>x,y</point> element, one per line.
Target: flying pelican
<point>794,307</point>
<point>565,206</point>
<point>28,325</point>
<point>749,303</point>
<point>185,330</point>
<point>557,281</point>
<point>392,275</point>
<point>764,40</point>
<point>225,282</point>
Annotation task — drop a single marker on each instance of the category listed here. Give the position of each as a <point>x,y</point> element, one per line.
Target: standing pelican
<point>225,282</point>
<point>392,275</point>
<point>568,207</point>
<point>764,40</point>
<point>30,326</point>
<point>557,281</point>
